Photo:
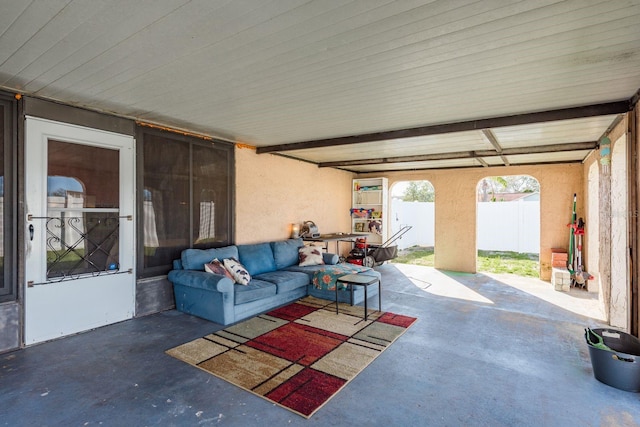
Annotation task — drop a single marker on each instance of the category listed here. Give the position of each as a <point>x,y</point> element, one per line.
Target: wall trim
<point>78,116</point>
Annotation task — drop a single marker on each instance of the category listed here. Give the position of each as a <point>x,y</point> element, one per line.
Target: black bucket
<point>619,364</point>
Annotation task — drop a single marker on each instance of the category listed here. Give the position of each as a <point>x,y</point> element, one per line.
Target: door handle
<point>31,232</point>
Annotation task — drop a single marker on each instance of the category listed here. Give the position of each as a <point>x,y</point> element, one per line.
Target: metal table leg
<point>366,312</point>
<point>351,281</point>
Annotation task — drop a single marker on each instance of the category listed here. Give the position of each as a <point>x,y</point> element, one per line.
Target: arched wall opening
<point>455,209</point>
<point>508,225</point>
<point>413,205</point>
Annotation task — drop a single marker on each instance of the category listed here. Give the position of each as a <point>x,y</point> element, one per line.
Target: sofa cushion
<point>331,259</point>
<point>310,255</point>
<point>285,252</point>
<point>255,290</point>
<point>308,270</point>
<point>195,259</point>
<point>257,258</point>
<point>285,280</point>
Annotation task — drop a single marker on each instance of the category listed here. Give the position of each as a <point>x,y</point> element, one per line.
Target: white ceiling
<point>285,71</point>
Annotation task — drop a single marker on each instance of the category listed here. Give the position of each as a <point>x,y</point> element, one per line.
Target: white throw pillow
<point>237,270</point>
<point>217,267</point>
<point>310,255</point>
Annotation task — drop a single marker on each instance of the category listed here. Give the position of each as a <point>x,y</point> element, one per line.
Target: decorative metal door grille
<point>78,246</point>
<point>81,245</point>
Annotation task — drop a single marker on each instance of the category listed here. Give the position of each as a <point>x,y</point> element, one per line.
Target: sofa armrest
<point>330,259</point>
<point>201,280</point>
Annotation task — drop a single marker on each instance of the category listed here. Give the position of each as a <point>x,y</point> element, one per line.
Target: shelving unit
<point>369,208</point>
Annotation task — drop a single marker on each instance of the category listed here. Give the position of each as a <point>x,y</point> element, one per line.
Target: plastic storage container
<point>619,365</point>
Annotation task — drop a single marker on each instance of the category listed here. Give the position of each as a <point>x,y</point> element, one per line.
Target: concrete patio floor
<point>486,351</point>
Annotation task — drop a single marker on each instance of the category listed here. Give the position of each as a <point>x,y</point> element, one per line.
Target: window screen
<point>185,197</point>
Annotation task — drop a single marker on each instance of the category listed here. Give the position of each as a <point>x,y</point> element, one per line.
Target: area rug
<point>297,356</point>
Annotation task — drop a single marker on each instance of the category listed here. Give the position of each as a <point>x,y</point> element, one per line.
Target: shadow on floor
<point>507,291</point>
<point>491,354</point>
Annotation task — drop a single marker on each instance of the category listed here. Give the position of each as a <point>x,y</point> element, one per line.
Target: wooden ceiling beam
<point>564,162</point>
<point>491,137</point>
<point>482,162</point>
<point>514,120</point>
<point>553,148</point>
<point>478,155</point>
<point>400,159</point>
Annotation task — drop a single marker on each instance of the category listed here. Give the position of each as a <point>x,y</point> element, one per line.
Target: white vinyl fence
<point>420,216</point>
<point>501,226</point>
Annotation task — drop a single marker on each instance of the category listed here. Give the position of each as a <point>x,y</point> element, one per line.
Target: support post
<point>604,267</point>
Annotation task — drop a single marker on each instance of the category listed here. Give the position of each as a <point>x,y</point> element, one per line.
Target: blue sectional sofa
<point>276,279</point>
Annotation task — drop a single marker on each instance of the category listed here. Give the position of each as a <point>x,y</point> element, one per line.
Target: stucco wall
<point>619,313</point>
<point>608,215</point>
<point>455,205</point>
<point>272,192</point>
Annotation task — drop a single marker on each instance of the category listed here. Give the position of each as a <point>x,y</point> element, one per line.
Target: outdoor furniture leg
<point>352,280</point>
<point>365,302</point>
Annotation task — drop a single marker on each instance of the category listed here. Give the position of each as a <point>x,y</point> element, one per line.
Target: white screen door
<point>80,199</point>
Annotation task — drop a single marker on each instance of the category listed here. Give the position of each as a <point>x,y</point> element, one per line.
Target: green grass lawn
<point>488,261</point>
<point>417,255</point>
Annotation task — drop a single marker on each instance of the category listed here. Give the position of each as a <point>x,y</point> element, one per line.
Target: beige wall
<point>590,250</point>
<point>455,207</point>
<point>274,191</point>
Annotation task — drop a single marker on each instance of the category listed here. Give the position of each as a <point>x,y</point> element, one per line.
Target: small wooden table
<point>351,280</point>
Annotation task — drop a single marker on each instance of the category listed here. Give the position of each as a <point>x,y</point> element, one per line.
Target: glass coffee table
<point>351,280</point>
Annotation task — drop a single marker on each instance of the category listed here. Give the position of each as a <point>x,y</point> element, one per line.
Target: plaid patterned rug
<point>297,356</point>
